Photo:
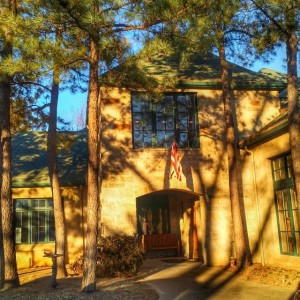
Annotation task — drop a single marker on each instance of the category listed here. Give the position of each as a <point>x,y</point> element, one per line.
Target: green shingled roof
<point>30,163</point>
<point>177,69</point>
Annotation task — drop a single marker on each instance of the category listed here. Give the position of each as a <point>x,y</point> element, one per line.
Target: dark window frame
<point>157,122</point>
<point>286,205</point>
<point>34,221</point>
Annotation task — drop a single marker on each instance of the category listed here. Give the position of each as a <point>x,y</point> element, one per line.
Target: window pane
<point>279,200</point>
<point>51,226</point>
<point>140,104</point>
<point>21,203</point>
<point>18,235</point>
<point>38,226</point>
<point>35,218</point>
<point>25,235</point>
<point>138,139</point>
<point>160,105</point>
<point>138,121</point>
<point>50,203</point>
<point>284,242</point>
<point>38,202</point>
<point>278,168</point>
<point>169,101</point>
<point>160,123</point>
<point>147,121</point>
<point>183,122</point>
<point>161,139</point>
<point>290,244</point>
<point>42,218</point>
<point>19,219</point>
<point>170,124</point>
<point>183,139</point>
<point>290,166</point>
<point>282,225</point>
<point>296,220</point>
<point>183,104</point>
<point>294,198</point>
<point>34,234</point>
<point>148,139</point>
<point>295,209</point>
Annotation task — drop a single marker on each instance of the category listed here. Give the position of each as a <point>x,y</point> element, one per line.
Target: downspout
<point>252,153</point>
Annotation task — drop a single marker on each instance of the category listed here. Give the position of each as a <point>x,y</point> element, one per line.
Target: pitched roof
<point>193,70</point>
<point>30,162</point>
<point>275,128</point>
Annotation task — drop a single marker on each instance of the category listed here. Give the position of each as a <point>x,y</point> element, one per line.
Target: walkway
<point>176,279</point>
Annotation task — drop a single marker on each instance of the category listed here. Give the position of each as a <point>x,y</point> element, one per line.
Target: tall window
<point>34,221</point>
<point>286,205</point>
<point>158,122</point>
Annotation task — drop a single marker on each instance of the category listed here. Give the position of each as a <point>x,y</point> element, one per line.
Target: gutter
<point>235,85</point>
<point>45,184</point>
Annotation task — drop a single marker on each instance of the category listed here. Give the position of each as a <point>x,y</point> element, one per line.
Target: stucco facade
<point>131,174</point>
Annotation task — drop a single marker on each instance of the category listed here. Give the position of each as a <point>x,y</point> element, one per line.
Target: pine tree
<point>204,27</point>
<point>103,24</point>
<point>9,274</point>
<point>274,23</point>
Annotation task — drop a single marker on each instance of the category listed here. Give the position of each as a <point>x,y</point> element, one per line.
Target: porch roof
<point>276,127</point>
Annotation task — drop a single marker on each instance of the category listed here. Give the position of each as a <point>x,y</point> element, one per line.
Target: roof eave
<point>234,85</point>
<point>265,136</point>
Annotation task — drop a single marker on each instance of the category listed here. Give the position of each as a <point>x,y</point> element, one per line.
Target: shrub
<point>118,255</point>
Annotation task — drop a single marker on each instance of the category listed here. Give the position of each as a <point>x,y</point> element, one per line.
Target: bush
<point>117,256</point>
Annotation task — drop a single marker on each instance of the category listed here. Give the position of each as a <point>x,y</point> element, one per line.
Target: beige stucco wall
<point>260,203</point>
<point>29,255</point>
<point>129,173</point>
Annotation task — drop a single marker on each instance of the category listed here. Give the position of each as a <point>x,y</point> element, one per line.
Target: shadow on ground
<point>159,278</point>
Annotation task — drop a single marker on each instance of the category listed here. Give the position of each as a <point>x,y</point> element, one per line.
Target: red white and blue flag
<point>175,162</point>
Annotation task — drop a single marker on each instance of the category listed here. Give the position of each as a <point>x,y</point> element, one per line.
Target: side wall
<point>260,203</point>
<point>29,255</point>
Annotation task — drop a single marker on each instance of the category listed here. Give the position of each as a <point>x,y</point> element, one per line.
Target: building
<point>141,193</point>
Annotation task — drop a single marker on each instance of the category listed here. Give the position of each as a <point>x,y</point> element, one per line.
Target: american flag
<point>175,161</point>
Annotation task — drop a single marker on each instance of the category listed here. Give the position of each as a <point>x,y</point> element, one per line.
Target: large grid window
<point>286,205</point>
<point>34,221</point>
<point>158,122</point>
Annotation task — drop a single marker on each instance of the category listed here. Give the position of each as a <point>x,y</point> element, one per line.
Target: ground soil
<point>271,275</point>
<point>36,284</point>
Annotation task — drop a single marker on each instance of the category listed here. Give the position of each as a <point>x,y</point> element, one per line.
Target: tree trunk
<point>9,263</point>
<point>293,109</point>
<point>60,231</point>
<point>90,255</point>
<point>242,250</point>
<point>11,278</point>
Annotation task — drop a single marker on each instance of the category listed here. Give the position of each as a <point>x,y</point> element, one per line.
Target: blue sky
<point>70,103</point>
<point>277,63</point>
